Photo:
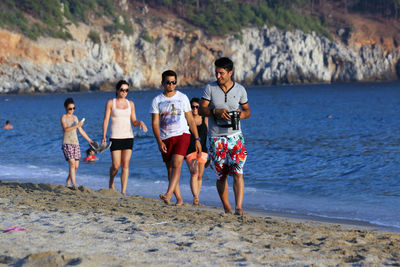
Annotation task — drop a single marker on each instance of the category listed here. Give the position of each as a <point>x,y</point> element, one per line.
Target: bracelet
<point>197,139</point>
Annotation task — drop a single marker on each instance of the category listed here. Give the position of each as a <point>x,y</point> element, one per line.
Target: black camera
<point>234,119</point>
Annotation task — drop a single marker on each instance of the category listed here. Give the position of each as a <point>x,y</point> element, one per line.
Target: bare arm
<point>83,133</point>
<point>193,129</point>
<point>134,121</point>
<point>204,110</point>
<point>107,114</point>
<point>155,120</point>
<point>245,112</point>
<point>206,122</point>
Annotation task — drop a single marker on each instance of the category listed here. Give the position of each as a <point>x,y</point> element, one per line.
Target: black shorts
<point>121,144</point>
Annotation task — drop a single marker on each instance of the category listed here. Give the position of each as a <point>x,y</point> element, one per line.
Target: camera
<point>234,119</point>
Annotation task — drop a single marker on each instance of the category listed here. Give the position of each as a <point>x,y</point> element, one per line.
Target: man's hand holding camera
<point>224,113</point>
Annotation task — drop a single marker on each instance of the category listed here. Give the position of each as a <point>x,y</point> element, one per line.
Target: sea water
<point>331,151</point>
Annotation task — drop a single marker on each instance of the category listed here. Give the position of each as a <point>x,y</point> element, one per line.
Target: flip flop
<point>103,147</point>
<point>14,229</point>
<point>95,146</point>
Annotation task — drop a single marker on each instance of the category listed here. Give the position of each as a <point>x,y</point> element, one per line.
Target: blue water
<point>322,150</point>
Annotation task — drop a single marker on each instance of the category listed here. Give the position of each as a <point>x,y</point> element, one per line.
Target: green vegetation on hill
<point>219,17</point>
<point>36,18</point>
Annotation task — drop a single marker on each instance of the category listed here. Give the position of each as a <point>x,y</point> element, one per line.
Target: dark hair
<point>7,122</point>
<point>195,99</point>
<point>89,150</point>
<point>224,63</point>
<point>118,86</point>
<point>167,73</point>
<point>68,101</point>
<point>120,83</point>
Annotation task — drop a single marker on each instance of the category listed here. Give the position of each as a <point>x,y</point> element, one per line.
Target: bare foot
<point>196,202</point>
<point>178,204</point>
<point>240,212</point>
<point>164,198</point>
<point>228,210</point>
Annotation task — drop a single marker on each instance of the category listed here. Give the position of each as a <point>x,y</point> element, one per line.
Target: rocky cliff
<point>261,56</point>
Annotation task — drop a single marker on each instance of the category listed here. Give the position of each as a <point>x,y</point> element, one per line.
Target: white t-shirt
<point>172,114</point>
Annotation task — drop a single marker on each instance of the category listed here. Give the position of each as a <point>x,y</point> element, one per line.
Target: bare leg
<point>238,188</point>
<point>125,158</point>
<point>73,166</point>
<point>222,187</point>
<point>178,195</point>
<point>194,185</point>
<point>76,169</point>
<point>174,173</point>
<point>116,163</point>
<point>200,177</point>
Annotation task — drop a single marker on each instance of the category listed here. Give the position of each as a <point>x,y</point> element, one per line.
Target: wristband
<point>197,139</point>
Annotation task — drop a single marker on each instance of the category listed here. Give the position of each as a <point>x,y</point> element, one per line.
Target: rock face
<point>261,56</point>
<point>269,56</point>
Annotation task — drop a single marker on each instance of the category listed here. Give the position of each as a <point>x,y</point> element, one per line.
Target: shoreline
<point>86,227</point>
<point>351,223</point>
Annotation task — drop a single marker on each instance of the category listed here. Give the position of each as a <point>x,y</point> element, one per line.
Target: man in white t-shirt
<point>171,120</point>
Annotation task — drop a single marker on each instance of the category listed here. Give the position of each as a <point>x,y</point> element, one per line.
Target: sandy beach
<point>83,227</point>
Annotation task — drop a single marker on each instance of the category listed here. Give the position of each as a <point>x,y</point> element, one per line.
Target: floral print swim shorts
<point>228,154</point>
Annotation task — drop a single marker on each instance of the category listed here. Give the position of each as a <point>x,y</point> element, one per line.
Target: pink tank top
<point>121,122</point>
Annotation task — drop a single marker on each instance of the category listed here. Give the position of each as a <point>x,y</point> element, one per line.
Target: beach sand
<point>102,228</point>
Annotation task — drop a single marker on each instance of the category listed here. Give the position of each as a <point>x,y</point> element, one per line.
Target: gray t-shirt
<point>231,100</point>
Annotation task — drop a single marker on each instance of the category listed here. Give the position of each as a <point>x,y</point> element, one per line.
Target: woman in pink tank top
<point>121,111</point>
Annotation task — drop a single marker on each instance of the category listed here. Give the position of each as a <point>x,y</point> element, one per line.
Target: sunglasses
<point>124,90</point>
<point>170,82</point>
<point>71,108</point>
<point>195,107</point>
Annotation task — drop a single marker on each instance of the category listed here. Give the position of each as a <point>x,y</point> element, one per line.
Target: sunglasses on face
<point>124,90</point>
<point>170,82</point>
<point>195,107</point>
<point>71,108</point>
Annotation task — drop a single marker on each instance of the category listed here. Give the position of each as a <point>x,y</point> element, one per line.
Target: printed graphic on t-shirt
<point>170,114</point>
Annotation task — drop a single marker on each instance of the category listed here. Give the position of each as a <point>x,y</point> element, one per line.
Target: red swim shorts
<point>177,145</point>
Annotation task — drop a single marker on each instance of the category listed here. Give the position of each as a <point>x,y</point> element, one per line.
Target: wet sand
<point>102,228</point>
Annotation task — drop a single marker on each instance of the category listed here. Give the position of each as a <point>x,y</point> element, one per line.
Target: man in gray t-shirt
<point>223,101</point>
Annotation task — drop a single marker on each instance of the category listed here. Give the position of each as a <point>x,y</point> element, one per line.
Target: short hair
<point>89,150</point>
<point>7,122</point>
<point>68,101</point>
<point>224,63</point>
<point>195,99</point>
<point>120,83</point>
<point>167,73</point>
